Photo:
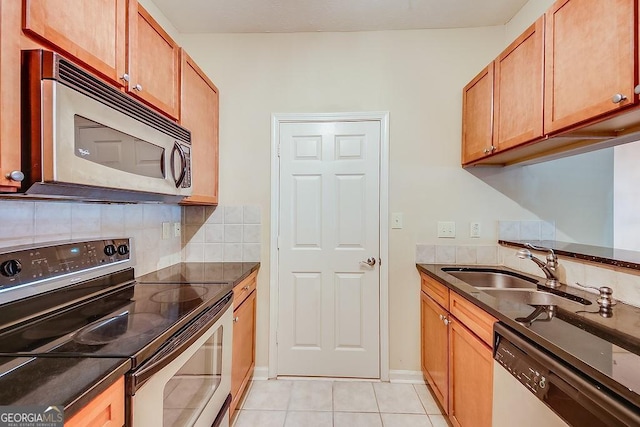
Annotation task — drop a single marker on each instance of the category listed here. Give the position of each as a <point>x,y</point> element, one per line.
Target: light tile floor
<point>323,403</point>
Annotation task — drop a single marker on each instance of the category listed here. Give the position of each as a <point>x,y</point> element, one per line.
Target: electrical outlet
<point>177,229</point>
<point>446,229</point>
<point>396,220</point>
<point>474,230</point>
<point>166,230</point>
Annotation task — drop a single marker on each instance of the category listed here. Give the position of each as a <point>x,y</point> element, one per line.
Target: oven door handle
<point>183,164</point>
<point>179,343</point>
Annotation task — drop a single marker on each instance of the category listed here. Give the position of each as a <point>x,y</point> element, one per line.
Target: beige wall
<point>415,75</point>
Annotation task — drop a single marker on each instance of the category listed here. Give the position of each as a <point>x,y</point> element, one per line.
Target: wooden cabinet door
<point>91,31</point>
<point>106,410</point>
<point>470,378</point>
<point>154,62</point>
<point>435,348</point>
<point>10,15</point>
<point>518,88</point>
<point>243,356</point>
<point>589,58</point>
<point>199,114</point>
<point>477,117</point>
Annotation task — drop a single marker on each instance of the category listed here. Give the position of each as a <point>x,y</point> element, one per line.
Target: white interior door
<point>328,299</point>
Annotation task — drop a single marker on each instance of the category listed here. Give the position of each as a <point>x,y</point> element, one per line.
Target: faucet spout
<point>548,268</point>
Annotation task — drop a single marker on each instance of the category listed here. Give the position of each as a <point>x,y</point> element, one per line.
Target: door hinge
<point>278,243</point>
<point>278,150</point>
<point>276,337</point>
<point>379,261</point>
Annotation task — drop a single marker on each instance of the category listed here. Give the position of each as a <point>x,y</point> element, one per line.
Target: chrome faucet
<point>549,268</point>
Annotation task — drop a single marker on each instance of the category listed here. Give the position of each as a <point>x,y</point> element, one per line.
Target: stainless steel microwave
<point>85,139</point>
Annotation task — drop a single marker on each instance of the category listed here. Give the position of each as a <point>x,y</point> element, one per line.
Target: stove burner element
<point>180,294</point>
<point>123,326</point>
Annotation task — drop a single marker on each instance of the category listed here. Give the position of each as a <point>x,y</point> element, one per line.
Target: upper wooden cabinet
<point>590,60</point>
<point>91,31</point>
<point>10,88</point>
<point>565,84</point>
<point>154,62</point>
<point>477,117</point>
<point>199,114</point>
<point>519,89</point>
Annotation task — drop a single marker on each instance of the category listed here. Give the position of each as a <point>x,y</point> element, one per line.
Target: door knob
<point>17,176</point>
<point>369,261</point>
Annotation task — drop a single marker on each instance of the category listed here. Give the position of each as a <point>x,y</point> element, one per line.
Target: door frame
<point>276,119</point>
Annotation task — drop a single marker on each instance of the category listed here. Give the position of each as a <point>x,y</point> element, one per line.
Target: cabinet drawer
<point>243,289</point>
<point>476,319</point>
<point>106,410</point>
<point>436,290</point>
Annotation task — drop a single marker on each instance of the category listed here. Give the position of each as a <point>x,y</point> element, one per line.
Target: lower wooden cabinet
<point>106,410</point>
<point>244,338</point>
<point>456,357</point>
<point>470,378</point>
<point>435,349</point>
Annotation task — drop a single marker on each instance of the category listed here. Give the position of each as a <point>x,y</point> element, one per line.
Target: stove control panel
<point>527,371</point>
<point>26,266</point>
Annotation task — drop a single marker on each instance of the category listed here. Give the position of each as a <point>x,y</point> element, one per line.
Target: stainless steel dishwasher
<point>533,388</point>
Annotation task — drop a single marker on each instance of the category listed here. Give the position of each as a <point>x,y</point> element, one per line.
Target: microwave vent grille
<point>78,79</point>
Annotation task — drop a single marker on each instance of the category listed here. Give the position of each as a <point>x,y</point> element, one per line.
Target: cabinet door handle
<point>125,77</point>
<point>235,319</point>
<point>618,98</point>
<point>441,316</point>
<point>636,90</point>
<point>16,176</point>
<point>446,321</point>
<point>138,87</point>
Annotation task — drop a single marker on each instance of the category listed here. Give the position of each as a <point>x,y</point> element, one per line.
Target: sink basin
<point>491,278</point>
<point>532,297</point>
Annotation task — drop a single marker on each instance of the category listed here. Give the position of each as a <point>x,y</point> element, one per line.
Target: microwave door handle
<point>162,164</point>
<point>183,162</point>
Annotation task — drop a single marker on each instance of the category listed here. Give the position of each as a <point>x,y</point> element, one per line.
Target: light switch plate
<point>446,229</point>
<point>474,230</point>
<point>396,220</point>
<point>166,230</point>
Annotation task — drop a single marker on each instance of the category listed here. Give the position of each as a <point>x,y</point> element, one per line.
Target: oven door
<point>187,382</point>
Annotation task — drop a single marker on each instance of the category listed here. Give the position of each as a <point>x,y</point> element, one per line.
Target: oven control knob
<point>110,250</point>
<point>123,249</point>
<point>10,268</point>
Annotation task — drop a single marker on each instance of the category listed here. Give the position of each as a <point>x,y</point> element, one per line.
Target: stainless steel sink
<point>532,297</point>
<point>491,278</point>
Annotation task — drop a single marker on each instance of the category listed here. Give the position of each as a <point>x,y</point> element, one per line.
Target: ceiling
<point>287,16</point>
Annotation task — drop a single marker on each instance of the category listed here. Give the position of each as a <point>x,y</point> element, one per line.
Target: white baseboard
<point>407,377</point>
<point>261,373</point>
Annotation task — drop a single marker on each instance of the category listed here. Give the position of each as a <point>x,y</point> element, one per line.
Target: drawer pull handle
<point>246,288</point>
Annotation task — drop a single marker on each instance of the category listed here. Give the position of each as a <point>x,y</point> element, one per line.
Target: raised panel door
<point>243,356</point>
<point>154,62</point>
<point>470,378</point>
<point>519,89</point>
<point>477,116</point>
<point>434,348</point>
<point>589,58</point>
<point>199,114</point>
<point>91,31</point>
<point>10,15</point>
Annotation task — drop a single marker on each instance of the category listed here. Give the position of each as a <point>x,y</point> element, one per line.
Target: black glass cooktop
<point>132,321</point>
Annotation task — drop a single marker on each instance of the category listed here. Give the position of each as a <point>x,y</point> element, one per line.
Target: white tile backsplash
<point>466,255</point>
<point>27,222</point>
<point>445,254</point>
<point>425,254</point>
<point>530,230</point>
<point>230,233</point>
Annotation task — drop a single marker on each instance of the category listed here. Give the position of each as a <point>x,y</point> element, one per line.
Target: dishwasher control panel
<point>530,373</point>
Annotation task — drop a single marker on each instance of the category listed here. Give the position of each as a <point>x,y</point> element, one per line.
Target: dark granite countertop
<point>71,382</point>
<point>605,349</point>
<point>598,254</point>
<point>202,272</point>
